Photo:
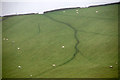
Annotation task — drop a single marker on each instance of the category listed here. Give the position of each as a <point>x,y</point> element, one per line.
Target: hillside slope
<point>33,43</point>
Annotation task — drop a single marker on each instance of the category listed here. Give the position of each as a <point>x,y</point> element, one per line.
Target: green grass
<point>40,38</point>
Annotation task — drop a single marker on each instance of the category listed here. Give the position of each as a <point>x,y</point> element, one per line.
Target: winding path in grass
<point>75,36</point>
<point>76,44</point>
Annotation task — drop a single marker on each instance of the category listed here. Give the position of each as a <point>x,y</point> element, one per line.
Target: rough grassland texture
<point>90,40</point>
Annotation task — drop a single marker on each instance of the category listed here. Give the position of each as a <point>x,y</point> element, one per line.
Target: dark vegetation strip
<point>75,36</point>
<point>76,45</point>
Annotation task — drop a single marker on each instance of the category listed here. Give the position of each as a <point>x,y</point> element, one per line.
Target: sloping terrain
<point>33,44</point>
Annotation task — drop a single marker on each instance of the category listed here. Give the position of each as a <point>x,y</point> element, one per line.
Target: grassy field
<point>90,42</point>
